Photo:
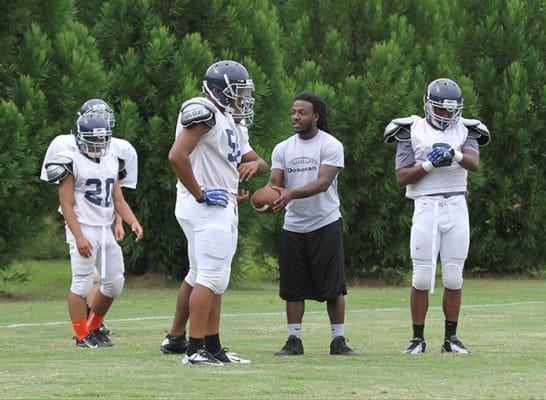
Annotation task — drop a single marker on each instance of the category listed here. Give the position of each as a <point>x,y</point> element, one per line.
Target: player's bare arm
<point>66,199</point>
<point>179,156</point>
<point>470,161</point>
<point>407,175</point>
<point>119,232</point>
<point>326,176</point>
<point>125,211</point>
<point>251,165</point>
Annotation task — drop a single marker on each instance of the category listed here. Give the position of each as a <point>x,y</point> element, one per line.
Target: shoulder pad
<point>195,111</point>
<point>477,130</point>
<point>399,129</point>
<point>59,166</point>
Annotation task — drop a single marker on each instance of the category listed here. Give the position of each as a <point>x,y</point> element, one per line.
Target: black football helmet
<point>93,134</point>
<point>229,84</point>
<point>443,94</point>
<point>101,107</point>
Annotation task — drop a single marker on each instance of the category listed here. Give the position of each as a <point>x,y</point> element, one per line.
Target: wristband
<point>457,156</point>
<point>427,166</point>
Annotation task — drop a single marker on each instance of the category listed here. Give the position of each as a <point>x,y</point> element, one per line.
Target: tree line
<point>369,59</point>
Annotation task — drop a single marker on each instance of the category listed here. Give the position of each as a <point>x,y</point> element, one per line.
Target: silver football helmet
<point>99,106</point>
<point>443,94</point>
<point>229,84</point>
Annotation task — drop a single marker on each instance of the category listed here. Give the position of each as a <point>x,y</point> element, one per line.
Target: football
<point>262,200</point>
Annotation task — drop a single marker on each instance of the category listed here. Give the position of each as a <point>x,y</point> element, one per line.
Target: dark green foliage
<point>369,59</point>
<point>18,193</point>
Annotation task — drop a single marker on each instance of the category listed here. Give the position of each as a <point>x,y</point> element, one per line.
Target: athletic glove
<point>214,197</point>
<point>440,156</point>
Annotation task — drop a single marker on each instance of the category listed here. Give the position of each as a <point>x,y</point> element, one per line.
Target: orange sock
<point>94,321</point>
<point>80,328</point>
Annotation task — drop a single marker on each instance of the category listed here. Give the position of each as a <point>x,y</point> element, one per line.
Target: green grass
<point>503,322</point>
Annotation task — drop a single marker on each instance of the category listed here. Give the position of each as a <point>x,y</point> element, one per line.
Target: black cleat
<point>102,338</point>
<point>105,329</point>
<point>227,357</point>
<point>292,347</point>
<point>201,357</point>
<point>339,347</point>
<point>174,344</point>
<point>416,346</point>
<point>454,345</point>
<point>90,341</point>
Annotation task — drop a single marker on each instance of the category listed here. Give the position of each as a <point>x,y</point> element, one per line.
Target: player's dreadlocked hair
<point>319,106</point>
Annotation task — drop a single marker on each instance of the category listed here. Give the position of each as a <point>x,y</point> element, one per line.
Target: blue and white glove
<point>440,156</point>
<point>214,197</point>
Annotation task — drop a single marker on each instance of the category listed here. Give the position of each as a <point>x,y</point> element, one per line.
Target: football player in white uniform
<point>89,194</point>
<point>128,174</point>
<point>210,156</point>
<point>434,155</point>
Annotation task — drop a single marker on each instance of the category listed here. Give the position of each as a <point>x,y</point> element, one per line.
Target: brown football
<point>263,199</point>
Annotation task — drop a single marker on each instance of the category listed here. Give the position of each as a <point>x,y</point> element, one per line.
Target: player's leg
<point>295,282</point>
<point>110,288</point>
<point>214,233</point>
<point>212,336</point>
<point>182,312</point>
<point>82,281</point>
<point>94,290</point>
<point>455,244</point>
<point>420,252</point>
<point>175,341</point>
<point>326,255</point>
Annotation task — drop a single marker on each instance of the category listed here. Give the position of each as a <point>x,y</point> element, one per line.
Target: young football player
<point>89,195</point>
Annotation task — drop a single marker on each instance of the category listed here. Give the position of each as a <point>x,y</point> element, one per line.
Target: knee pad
<point>113,288</point>
<point>452,275</point>
<point>421,278</point>
<point>216,279</point>
<point>82,284</point>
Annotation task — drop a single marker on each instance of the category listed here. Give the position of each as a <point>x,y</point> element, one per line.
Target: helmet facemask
<point>227,82</point>
<point>93,135</point>
<point>236,98</point>
<point>443,94</point>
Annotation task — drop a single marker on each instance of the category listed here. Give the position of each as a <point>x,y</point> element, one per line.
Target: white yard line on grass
<point>250,314</point>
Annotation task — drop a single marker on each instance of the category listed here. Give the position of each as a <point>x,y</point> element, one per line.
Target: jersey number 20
<point>95,195</point>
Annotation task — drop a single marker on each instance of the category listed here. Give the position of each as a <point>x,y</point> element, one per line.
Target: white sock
<point>337,330</point>
<point>294,330</point>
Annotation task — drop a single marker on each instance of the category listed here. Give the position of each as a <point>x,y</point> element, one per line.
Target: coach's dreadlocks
<point>319,106</point>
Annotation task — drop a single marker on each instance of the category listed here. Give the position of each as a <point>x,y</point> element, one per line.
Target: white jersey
<point>119,147</point>
<point>93,187</point>
<point>448,179</point>
<point>301,160</point>
<point>217,154</point>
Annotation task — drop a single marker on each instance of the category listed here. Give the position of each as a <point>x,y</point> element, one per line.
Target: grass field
<point>503,322</point>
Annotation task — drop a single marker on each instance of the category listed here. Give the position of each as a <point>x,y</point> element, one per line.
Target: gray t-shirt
<point>300,161</point>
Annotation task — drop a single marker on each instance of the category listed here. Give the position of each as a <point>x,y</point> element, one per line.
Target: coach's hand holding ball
<point>264,198</point>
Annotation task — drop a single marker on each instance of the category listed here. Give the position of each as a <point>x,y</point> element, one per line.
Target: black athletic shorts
<point>312,265</point>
